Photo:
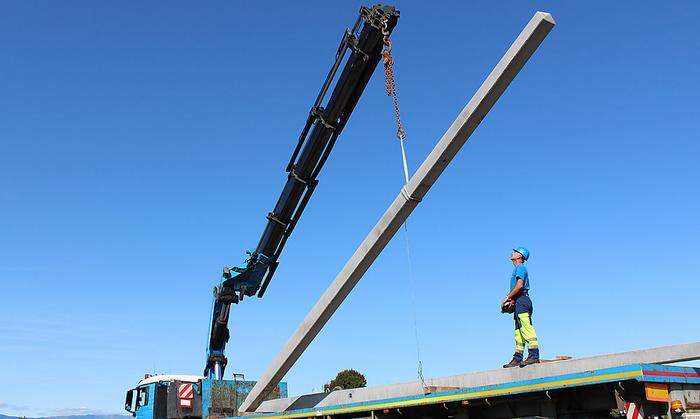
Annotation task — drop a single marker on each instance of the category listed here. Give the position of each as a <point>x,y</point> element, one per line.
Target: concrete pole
<point>411,194</point>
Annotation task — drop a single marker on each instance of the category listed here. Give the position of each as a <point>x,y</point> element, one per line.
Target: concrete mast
<point>451,142</point>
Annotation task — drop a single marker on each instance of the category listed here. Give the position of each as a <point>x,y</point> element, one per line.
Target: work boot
<point>513,363</point>
<point>529,361</point>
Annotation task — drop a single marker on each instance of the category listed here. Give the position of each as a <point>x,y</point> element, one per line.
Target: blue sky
<point>142,144</point>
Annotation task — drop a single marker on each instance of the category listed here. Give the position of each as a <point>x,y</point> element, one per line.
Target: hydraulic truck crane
<point>179,396</point>
<point>323,126</point>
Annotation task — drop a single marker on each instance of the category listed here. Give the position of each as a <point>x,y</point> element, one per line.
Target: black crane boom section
<point>358,54</point>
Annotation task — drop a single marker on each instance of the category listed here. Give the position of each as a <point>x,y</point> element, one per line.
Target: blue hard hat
<point>523,251</point>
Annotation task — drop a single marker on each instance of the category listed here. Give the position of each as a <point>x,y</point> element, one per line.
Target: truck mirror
<point>129,402</point>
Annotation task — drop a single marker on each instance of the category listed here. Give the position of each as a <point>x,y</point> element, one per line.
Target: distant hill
<point>72,417</point>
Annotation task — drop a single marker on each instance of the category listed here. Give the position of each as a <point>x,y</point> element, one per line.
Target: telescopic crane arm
<point>359,53</point>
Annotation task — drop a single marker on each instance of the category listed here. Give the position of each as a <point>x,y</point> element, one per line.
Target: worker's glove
<point>508,306</point>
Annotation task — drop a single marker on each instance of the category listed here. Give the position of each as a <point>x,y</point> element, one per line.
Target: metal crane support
<point>410,196</point>
<point>359,53</point>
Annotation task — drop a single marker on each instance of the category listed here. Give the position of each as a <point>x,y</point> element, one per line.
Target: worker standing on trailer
<point>518,302</point>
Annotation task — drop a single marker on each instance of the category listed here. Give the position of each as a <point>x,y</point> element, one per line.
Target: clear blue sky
<point>142,144</point>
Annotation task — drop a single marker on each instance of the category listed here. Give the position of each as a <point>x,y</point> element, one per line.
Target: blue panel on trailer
<point>283,390</point>
<point>670,374</point>
<point>206,391</point>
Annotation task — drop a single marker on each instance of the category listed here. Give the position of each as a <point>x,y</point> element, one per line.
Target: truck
<point>190,396</point>
<point>637,384</point>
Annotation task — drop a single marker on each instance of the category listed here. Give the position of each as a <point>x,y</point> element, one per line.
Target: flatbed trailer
<point>630,384</point>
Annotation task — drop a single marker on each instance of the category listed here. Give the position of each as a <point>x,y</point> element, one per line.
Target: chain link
<point>390,81</point>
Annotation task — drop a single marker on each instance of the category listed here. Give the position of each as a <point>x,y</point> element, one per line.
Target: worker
<point>518,302</point>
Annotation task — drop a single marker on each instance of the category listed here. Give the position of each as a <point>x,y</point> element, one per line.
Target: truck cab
<point>190,396</point>
<point>155,395</point>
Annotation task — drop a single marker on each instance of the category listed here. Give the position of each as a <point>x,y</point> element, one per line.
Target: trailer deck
<point>594,384</point>
<point>654,373</point>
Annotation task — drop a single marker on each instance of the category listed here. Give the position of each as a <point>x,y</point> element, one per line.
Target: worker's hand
<point>508,306</point>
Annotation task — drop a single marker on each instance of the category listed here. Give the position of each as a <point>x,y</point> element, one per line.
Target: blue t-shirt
<point>520,271</point>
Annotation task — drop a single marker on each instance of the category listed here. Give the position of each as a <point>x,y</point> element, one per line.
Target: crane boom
<point>359,53</point>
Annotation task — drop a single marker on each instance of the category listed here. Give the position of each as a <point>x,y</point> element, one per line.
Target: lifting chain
<point>391,82</point>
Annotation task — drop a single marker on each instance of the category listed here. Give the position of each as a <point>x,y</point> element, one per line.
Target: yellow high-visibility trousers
<point>525,334</point>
